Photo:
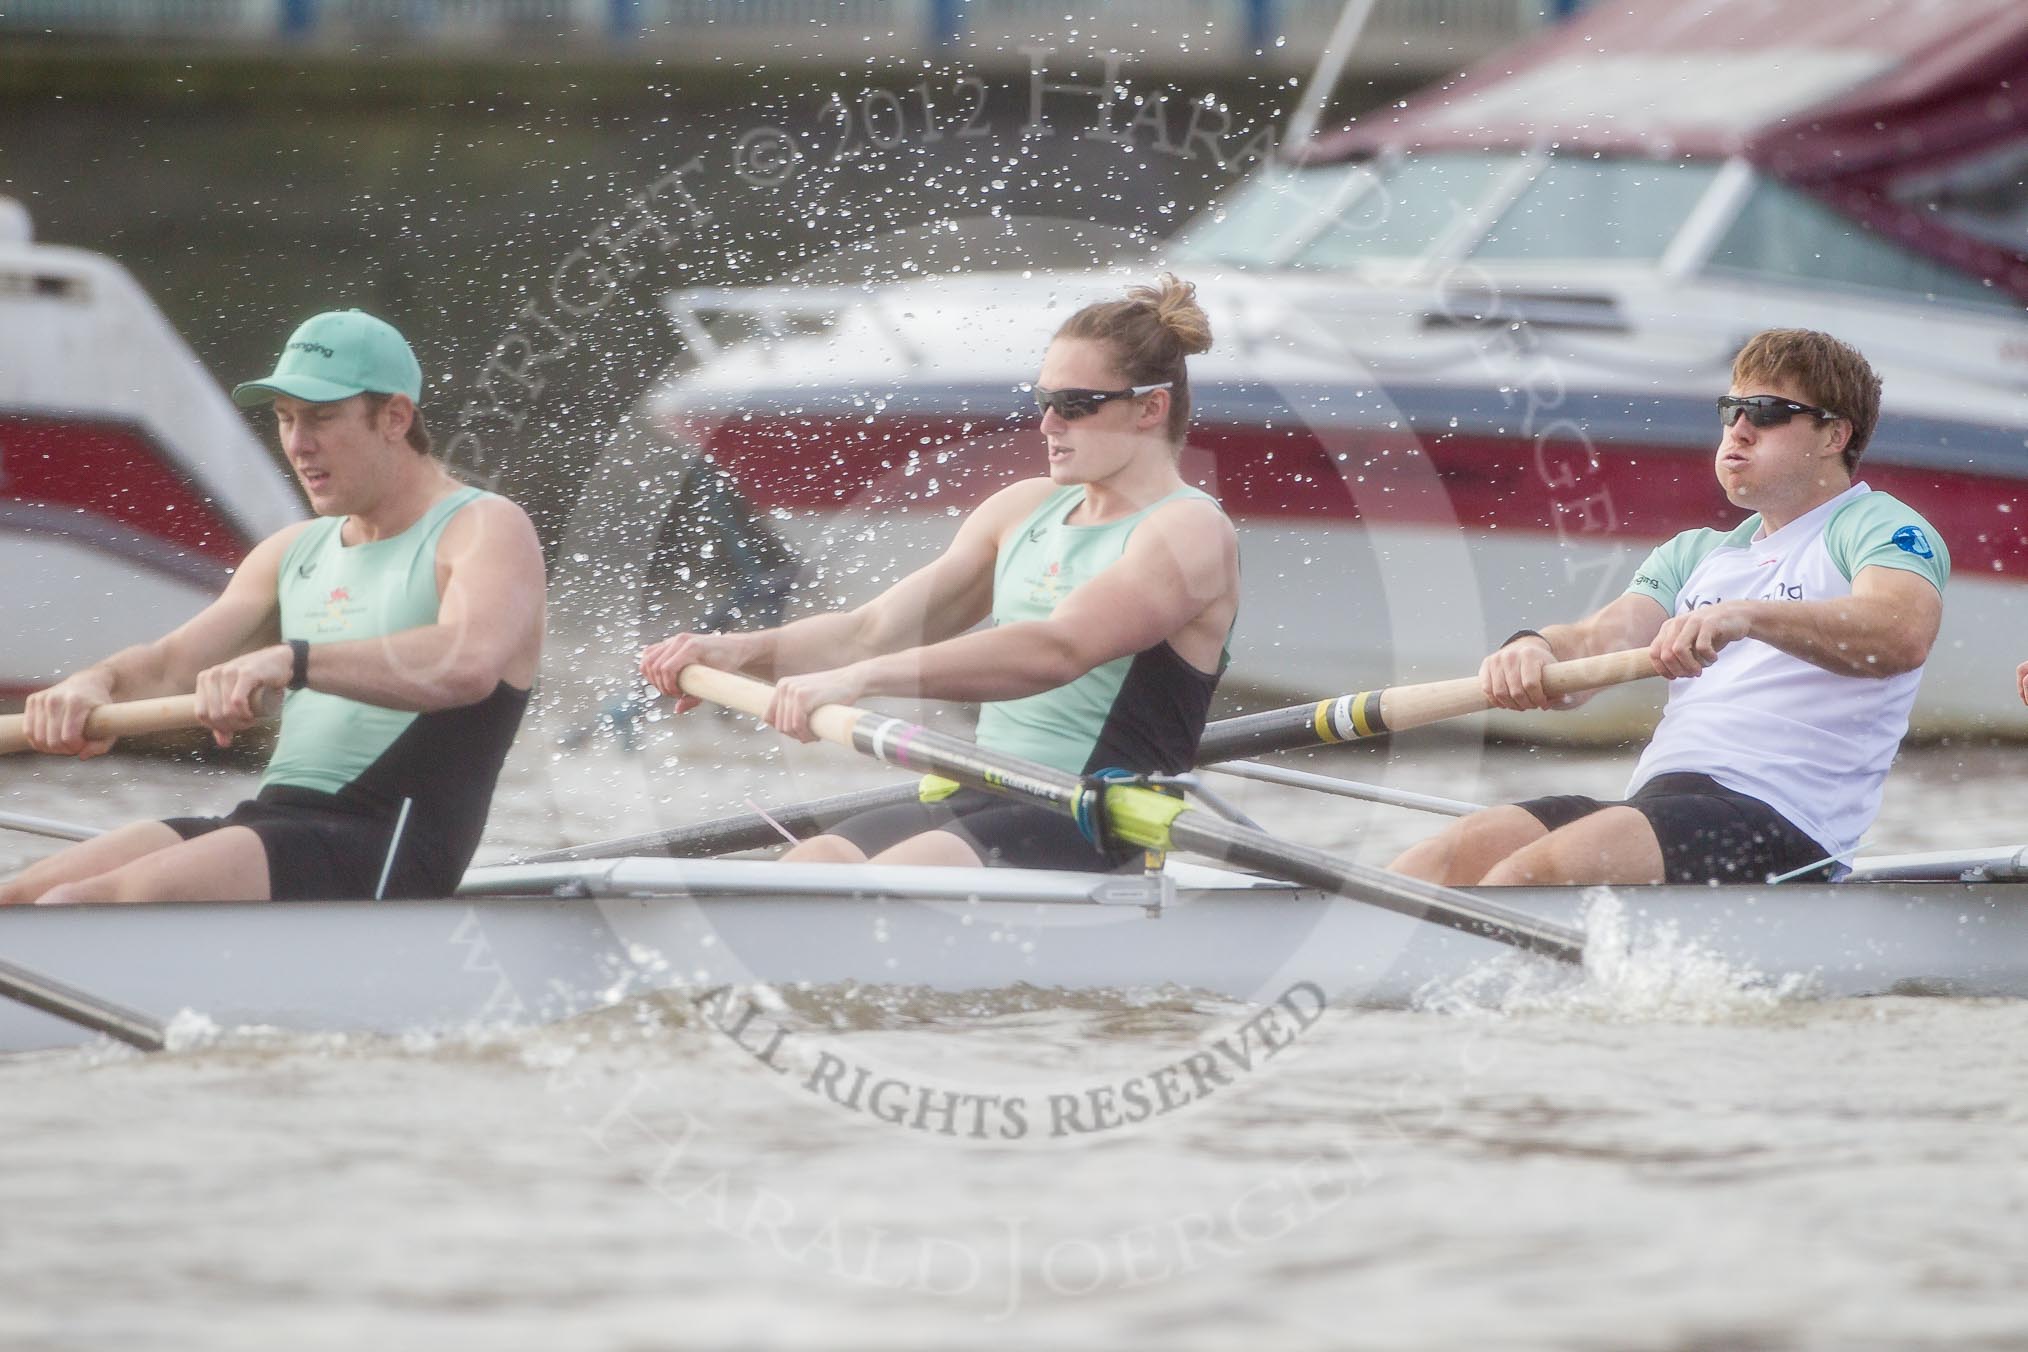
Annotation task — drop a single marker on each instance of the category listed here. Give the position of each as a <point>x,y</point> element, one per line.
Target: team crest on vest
<point>1047,589</point>
<point>339,608</point>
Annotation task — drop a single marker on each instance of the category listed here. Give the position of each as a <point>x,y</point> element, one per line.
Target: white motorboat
<point>129,485</point>
<point>1466,351</point>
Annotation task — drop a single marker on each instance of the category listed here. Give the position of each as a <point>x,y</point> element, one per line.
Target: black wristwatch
<point>1525,633</point>
<point>299,674</point>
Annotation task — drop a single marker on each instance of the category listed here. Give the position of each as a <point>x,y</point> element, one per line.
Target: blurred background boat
<point>1467,347</point>
<point>129,485</point>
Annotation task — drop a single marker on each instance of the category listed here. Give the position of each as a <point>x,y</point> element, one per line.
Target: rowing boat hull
<point>473,962</point>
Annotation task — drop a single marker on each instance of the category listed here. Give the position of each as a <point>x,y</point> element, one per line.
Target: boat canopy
<point>1910,119</point>
<point>1414,216</point>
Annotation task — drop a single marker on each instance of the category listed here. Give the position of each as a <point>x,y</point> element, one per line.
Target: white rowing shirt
<point>1810,743</point>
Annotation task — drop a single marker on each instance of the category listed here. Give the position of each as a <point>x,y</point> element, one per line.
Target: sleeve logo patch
<point>1911,540</point>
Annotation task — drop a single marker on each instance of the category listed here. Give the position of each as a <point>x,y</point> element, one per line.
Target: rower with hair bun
<point>1111,584</point>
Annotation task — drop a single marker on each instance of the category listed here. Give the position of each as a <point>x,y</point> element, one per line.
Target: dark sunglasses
<point>1070,405</point>
<point>1766,410</point>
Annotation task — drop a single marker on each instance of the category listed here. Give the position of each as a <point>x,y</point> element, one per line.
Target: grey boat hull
<point>479,961</point>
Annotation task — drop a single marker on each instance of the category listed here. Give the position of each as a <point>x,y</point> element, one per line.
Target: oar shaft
<point>896,741</point>
<point>1235,844</point>
<point>1371,713</point>
<point>131,719</point>
<point>1142,817</point>
<point>46,826</point>
<point>87,1011</point>
<point>726,835</point>
<point>1347,788</point>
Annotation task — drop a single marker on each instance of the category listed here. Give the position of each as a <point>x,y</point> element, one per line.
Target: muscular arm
<point>1512,676</point>
<point>1180,565</point>
<point>243,618</point>
<point>945,598</point>
<point>488,630</point>
<point>1884,628</point>
<point>1181,560</point>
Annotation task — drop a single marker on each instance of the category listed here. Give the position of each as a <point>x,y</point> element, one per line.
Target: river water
<point>1716,1167</point>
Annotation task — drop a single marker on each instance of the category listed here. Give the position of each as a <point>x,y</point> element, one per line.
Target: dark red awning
<point>1860,104</point>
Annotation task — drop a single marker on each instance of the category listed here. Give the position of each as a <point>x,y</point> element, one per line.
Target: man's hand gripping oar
<point>233,707</point>
<point>1374,713</point>
<point>111,721</point>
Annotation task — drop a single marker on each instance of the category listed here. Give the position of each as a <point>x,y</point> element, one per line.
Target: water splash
<point>1632,972</point>
<point>190,1031</point>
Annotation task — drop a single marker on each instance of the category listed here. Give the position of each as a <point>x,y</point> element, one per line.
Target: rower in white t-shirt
<point>1795,644</point>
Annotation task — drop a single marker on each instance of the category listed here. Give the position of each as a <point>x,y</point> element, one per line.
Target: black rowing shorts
<point>1708,833</point>
<point>318,852</point>
<point>1001,832</point>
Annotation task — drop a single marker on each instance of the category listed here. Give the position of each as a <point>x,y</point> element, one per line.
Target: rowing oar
<point>47,826</point>
<point>1374,713</point>
<point>1143,817</point>
<point>727,835</point>
<point>754,831</point>
<point>131,719</point>
<point>88,1011</point>
<point>1300,725</point>
<point>1348,788</point>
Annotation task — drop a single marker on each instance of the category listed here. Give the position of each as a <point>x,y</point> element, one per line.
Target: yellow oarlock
<point>1142,816</point>
<point>1137,815</point>
<point>935,788</point>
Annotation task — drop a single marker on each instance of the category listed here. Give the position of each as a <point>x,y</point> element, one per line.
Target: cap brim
<point>310,389</point>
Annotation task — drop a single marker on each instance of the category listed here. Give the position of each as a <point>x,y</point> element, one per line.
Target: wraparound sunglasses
<point>1766,410</point>
<point>1070,405</point>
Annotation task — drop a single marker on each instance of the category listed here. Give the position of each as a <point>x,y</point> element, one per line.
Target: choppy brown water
<point>1729,1170</point>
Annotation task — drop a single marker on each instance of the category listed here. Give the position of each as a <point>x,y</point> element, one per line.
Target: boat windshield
<point>1625,209</point>
<point>1512,207</point>
<point>1783,233</point>
<point>1336,215</point>
<point>1406,207</point>
<point>1985,195</point>
<point>1270,215</point>
<point>1502,206</point>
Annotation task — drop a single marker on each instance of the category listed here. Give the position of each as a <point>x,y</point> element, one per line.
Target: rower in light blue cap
<point>400,631</point>
<point>336,355</point>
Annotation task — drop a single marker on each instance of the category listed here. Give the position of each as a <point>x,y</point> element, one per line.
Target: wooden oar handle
<point>115,720</point>
<point>831,722</point>
<point>1596,673</point>
<point>1395,709</point>
<point>1414,706</point>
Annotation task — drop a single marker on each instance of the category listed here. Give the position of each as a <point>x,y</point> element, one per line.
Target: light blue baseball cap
<point>336,355</point>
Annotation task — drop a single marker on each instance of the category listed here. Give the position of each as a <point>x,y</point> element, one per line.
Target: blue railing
<point>1280,30</point>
